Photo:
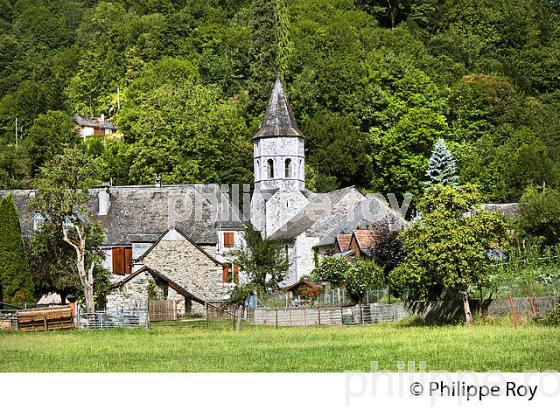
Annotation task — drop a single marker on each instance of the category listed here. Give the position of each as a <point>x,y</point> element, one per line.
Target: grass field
<point>255,349</point>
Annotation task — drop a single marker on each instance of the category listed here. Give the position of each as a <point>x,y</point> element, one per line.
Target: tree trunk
<point>87,285</point>
<point>467,307</point>
<point>90,303</point>
<point>86,277</point>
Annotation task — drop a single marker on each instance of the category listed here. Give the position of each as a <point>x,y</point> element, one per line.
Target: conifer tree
<point>442,168</point>
<point>264,54</point>
<point>17,285</point>
<point>284,45</point>
<point>270,50</point>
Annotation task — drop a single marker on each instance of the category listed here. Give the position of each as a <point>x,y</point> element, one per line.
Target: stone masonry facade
<point>184,263</point>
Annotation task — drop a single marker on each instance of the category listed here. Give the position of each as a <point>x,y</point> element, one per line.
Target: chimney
<point>104,198</point>
<point>158,181</point>
<point>102,117</point>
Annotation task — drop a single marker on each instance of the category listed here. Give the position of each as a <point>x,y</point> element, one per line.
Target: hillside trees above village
<point>373,84</point>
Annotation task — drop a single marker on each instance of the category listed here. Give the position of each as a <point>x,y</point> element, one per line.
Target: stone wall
<point>133,295</point>
<point>452,310</point>
<point>185,264</point>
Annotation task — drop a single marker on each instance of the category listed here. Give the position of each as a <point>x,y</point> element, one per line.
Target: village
<point>174,251</point>
<point>258,186</point>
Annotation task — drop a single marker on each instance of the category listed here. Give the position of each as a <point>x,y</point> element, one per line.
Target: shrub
<point>552,317</point>
<point>331,270</point>
<point>361,277</point>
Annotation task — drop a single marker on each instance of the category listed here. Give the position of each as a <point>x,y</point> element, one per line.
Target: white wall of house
<point>86,131</point>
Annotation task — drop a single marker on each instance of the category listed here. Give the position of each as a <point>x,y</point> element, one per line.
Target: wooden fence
<point>328,316</point>
<point>160,310</point>
<point>45,318</point>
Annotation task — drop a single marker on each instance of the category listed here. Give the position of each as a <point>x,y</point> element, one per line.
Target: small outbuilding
<point>301,292</point>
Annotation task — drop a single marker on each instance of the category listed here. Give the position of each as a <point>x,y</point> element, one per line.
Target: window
<point>258,170</point>
<point>230,273</point>
<point>229,240</point>
<point>122,260</point>
<point>270,163</point>
<point>288,168</point>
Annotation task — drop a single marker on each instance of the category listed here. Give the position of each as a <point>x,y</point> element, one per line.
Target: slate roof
<point>319,208</point>
<point>370,211</point>
<point>279,120</point>
<point>511,209</point>
<point>98,123</point>
<point>186,238</point>
<point>141,213</point>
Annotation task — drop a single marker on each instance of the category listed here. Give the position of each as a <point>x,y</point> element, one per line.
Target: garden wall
<point>435,312</point>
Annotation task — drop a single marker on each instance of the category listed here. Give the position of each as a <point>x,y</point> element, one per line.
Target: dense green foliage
<point>540,216</point>
<point>357,277</point>
<point>331,270</point>
<point>446,248</point>
<point>362,276</point>
<point>62,198</point>
<point>374,85</point>
<point>186,348</point>
<point>265,262</point>
<point>15,277</point>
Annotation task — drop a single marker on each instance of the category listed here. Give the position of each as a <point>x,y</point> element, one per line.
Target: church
<point>283,210</point>
<point>155,249</point>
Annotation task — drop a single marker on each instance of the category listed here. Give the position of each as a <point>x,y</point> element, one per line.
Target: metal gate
<point>159,310</point>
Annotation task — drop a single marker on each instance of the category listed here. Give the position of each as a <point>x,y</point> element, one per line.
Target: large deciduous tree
<point>446,248</point>
<point>15,278</point>
<point>182,129</point>
<point>540,215</point>
<point>62,197</point>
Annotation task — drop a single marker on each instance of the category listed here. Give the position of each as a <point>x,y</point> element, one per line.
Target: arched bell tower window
<point>288,168</point>
<point>258,170</point>
<point>270,166</point>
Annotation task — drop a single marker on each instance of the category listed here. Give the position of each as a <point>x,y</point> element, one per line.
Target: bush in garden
<point>331,270</point>
<point>363,276</point>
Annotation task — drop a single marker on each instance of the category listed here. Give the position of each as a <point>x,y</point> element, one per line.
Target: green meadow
<point>218,348</point>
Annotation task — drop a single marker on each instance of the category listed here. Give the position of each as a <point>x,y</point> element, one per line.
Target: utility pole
<point>118,98</point>
<point>16,132</point>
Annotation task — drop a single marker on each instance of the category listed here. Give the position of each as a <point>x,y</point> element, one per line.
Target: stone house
<point>194,226</point>
<point>180,270</point>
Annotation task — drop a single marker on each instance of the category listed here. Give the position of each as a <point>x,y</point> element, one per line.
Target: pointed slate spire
<point>279,121</point>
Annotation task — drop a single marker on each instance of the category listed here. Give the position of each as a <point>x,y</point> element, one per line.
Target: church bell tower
<point>279,165</point>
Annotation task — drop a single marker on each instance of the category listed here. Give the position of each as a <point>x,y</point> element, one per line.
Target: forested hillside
<point>373,84</point>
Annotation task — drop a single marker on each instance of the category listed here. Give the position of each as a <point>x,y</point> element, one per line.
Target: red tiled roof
<point>343,240</point>
<point>365,238</point>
